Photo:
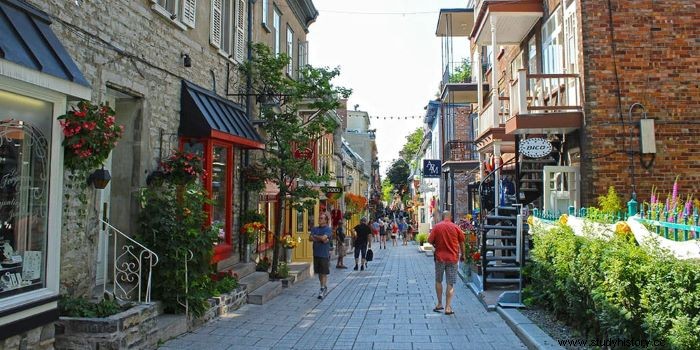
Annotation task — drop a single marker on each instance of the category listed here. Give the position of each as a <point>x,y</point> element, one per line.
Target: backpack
<point>370,255</point>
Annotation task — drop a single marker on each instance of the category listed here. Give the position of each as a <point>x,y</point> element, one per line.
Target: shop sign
<point>432,168</point>
<point>303,153</point>
<point>535,147</point>
<point>333,189</point>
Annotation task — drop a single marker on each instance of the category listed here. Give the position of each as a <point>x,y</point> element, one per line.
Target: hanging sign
<point>535,147</point>
<point>303,153</point>
<point>432,168</point>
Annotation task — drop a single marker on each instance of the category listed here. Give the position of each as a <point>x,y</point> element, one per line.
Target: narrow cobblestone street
<point>388,306</point>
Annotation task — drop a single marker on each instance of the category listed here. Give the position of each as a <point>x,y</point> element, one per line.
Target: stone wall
<point>130,47</point>
<point>656,59</point>
<point>41,338</point>
<point>131,329</point>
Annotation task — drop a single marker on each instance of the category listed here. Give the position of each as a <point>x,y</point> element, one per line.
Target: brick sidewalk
<point>388,306</point>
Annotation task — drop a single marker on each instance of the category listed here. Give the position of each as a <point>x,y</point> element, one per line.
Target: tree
<point>301,119</point>
<point>398,175</point>
<point>462,72</point>
<point>412,145</point>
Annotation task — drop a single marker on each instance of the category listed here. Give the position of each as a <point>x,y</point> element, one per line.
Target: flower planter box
<point>130,329</point>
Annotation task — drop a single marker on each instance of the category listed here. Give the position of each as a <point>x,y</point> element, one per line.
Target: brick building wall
<point>657,55</point>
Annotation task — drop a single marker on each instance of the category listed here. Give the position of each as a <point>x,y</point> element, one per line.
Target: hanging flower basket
<point>182,168</point>
<point>253,177</point>
<point>90,134</point>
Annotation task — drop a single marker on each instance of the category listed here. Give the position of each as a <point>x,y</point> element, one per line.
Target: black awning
<point>205,114</point>
<point>27,40</point>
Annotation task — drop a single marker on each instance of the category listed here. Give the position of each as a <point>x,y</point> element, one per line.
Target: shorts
<point>360,250</point>
<point>449,269</point>
<point>393,236</point>
<point>321,265</point>
<point>341,249</point>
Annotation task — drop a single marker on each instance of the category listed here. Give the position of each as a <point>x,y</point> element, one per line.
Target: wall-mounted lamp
<point>99,178</point>
<point>186,60</point>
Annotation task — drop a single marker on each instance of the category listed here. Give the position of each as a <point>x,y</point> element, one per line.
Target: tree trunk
<point>278,228</point>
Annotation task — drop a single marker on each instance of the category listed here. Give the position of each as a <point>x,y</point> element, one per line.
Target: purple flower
<point>675,189</point>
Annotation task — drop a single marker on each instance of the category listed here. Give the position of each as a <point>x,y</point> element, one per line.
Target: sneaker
<point>355,268</point>
<point>362,268</point>
<point>321,293</point>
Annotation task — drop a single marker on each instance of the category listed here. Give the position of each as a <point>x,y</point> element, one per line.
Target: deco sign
<point>535,147</point>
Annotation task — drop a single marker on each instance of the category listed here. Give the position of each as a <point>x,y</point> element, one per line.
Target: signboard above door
<point>432,168</point>
<point>535,147</point>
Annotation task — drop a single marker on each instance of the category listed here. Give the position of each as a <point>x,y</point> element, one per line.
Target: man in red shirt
<point>448,242</point>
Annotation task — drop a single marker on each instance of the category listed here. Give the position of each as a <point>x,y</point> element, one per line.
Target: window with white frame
<point>290,50</point>
<point>227,18</point>
<point>552,44</point>
<point>571,43</point>
<point>265,11</point>
<point>532,55</point>
<point>303,52</point>
<point>178,10</point>
<point>276,19</point>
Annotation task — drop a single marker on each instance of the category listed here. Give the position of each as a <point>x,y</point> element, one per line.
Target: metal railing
<point>128,267</point>
<point>460,151</point>
<point>545,93</point>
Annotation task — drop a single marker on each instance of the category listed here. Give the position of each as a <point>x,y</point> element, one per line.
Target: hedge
<point>615,289</point>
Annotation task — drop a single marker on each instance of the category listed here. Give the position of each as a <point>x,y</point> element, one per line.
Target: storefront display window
<point>219,189</point>
<point>25,129</point>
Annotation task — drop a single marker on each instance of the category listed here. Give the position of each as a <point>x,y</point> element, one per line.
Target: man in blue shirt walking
<point>321,236</point>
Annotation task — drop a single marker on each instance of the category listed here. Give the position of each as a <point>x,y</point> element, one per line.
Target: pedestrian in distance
<point>321,238</point>
<point>340,243</point>
<point>394,232</point>
<point>375,229</point>
<point>382,234</point>
<point>448,242</point>
<point>362,242</point>
<point>403,228</point>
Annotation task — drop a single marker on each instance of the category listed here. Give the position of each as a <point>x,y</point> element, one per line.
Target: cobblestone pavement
<point>387,306</point>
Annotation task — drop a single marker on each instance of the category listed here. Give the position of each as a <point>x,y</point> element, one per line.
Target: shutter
<point>215,36</point>
<point>189,10</point>
<point>240,39</point>
<point>306,52</point>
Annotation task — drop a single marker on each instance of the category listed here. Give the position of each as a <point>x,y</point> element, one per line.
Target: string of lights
<point>396,117</point>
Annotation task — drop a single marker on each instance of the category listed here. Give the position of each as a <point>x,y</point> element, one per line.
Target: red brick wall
<point>658,65</point>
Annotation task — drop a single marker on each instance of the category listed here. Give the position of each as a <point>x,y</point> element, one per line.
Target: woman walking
<point>382,234</point>
<point>340,242</point>
<point>394,232</point>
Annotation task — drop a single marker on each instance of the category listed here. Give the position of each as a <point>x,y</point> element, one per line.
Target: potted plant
<point>251,231</point>
<point>182,167</point>
<point>263,264</point>
<point>289,243</point>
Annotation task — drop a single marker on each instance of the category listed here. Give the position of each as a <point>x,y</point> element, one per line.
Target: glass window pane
<point>219,185</point>
<point>24,184</point>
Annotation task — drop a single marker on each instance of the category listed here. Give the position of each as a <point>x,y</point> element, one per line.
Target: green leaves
<point>615,288</point>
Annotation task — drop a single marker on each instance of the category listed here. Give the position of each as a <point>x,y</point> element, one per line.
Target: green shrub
<point>610,203</point>
<point>173,224</point>
<point>615,288</point>
<point>81,307</point>
<point>225,285</point>
<point>422,238</point>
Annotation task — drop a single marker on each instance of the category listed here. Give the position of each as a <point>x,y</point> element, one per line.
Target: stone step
<point>502,280</point>
<point>265,293</point>
<point>500,227</point>
<point>169,326</point>
<point>243,269</point>
<point>254,280</point>
<point>300,271</point>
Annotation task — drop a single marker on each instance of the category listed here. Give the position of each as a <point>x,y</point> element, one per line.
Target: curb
<point>475,290</point>
<point>529,333</point>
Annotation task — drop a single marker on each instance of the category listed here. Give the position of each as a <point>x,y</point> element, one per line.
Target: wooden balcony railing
<point>459,151</point>
<point>545,93</point>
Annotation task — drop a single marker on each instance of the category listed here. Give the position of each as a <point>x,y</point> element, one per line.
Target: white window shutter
<point>189,11</point>
<point>306,53</point>
<point>215,36</point>
<point>240,39</point>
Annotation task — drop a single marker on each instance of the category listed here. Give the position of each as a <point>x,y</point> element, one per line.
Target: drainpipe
<point>245,196</point>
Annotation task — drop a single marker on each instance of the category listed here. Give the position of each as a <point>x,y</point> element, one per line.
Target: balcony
<point>544,103</point>
<point>513,20</point>
<point>460,151</point>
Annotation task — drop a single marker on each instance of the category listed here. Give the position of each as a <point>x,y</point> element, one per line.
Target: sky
<point>388,55</point>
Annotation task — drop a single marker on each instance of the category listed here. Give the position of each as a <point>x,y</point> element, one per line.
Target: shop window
<point>25,129</point>
<point>220,183</point>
